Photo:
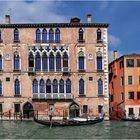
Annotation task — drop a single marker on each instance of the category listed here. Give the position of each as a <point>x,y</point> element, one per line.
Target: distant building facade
<point>124,86</point>
<point>62,66</point>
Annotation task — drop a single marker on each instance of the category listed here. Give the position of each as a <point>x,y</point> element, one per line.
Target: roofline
<point>116,60</point>
<point>131,55</point>
<point>126,55</point>
<point>41,25</point>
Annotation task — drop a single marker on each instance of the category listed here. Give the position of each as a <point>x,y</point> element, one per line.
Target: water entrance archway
<point>28,111</point>
<point>74,110</point>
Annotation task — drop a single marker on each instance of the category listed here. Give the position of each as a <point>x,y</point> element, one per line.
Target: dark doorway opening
<point>74,110</point>
<point>28,111</point>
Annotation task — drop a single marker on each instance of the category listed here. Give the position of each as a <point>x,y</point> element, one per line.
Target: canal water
<point>104,130</point>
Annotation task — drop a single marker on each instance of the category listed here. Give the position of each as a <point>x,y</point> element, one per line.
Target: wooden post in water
<point>16,115</point>
<point>9,114</point>
<point>20,115</point>
<point>63,114</point>
<point>1,115</point>
<point>37,114</point>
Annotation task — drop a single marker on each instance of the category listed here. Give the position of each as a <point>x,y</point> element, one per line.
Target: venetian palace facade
<point>63,66</point>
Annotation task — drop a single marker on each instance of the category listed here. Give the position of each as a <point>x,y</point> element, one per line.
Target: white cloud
<point>114,41</point>
<point>32,11</point>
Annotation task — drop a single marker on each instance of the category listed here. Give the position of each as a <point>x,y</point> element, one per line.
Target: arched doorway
<point>28,111</point>
<point>74,110</point>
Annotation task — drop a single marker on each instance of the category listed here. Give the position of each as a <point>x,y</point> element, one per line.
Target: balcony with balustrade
<point>50,96</point>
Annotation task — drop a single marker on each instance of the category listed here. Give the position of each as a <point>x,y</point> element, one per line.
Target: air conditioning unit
<point>31,69</point>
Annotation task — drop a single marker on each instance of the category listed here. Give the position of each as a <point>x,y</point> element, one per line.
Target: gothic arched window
<point>57,35</point>
<point>48,86</point>
<point>38,62</point>
<point>44,36</point>
<point>0,87</point>
<point>81,87</point>
<point>58,62</point>
<point>81,61</point>
<point>31,60</point>
<point>51,62</point>
<point>42,86</point>
<point>99,60</point>
<point>44,62</point>
<point>68,86</point>
<point>81,34</point>
<point>16,35</point>
<point>61,86</point>
<point>17,87</point>
<point>55,86</point>
<point>38,36</point>
<point>65,60</point>
<point>51,36</point>
<point>35,86</point>
<point>16,61</point>
<point>100,87</point>
<point>99,35</point>
<point>0,62</point>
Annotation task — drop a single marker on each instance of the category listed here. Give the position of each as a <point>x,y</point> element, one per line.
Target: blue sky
<point>123,17</point>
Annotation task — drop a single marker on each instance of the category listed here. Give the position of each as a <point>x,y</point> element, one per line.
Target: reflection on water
<point>104,130</point>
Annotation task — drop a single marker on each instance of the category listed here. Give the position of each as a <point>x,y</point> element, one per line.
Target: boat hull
<point>68,123</point>
<point>132,120</point>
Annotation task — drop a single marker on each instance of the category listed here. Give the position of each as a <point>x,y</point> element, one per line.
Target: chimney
<point>115,53</point>
<point>7,19</point>
<point>89,18</point>
<point>75,20</point>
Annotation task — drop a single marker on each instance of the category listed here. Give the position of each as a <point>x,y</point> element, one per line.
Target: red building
<point>124,86</point>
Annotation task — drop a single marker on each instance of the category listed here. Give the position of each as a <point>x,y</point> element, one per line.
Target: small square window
<point>131,95</point>
<point>130,62</point>
<point>131,111</point>
<point>138,62</point>
<point>7,79</point>
<point>90,78</point>
<point>85,108</point>
<point>130,82</point>
<point>138,95</point>
<point>100,107</point>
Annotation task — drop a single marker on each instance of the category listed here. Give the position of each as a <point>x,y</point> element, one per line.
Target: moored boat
<point>68,122</point>
<point>131,119</point>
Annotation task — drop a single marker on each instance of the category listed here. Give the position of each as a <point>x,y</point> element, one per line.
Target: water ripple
<point>105,130</point>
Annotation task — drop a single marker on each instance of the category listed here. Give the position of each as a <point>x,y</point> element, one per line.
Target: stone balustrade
<point>52,96</point>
